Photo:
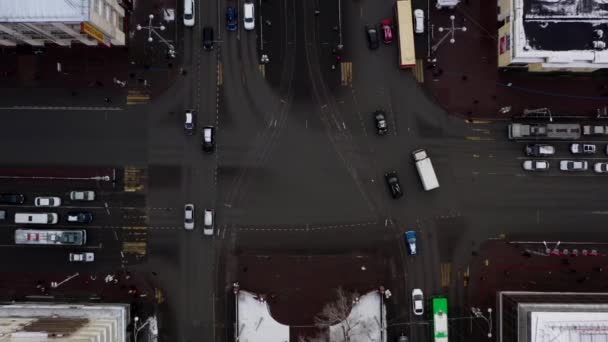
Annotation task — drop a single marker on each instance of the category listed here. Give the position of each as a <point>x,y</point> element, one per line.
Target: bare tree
<point>338,312</point>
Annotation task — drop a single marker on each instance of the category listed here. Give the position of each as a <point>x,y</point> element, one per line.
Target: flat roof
<point>562,32</point>
<point>572,326</point>
<point>44,10</point>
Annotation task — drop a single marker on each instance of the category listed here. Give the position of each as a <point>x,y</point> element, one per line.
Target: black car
<point>380,119</point>
<point>393,184</point>
<point>208,38</point>
<point>208,138</point>
<point>11,198</point>
<point>372,36</point>
<point>80,217</point>
<point>231,19</point>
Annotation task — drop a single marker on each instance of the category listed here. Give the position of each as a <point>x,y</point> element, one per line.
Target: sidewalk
<point>467,82</point>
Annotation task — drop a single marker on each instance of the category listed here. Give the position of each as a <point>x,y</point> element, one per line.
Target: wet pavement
<point>465,79</point>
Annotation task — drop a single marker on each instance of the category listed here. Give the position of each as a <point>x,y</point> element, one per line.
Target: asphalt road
<point>298,168</point>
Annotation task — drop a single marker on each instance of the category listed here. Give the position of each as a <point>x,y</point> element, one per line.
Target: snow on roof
<point>255,324</point>
<point>44,10</point>
<point>568,326</point>
<point>365,320</point>
<point>560,32</point>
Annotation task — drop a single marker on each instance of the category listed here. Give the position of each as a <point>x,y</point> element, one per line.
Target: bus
<point>407,51</point>
<point>440,319</point>
<point>50,237</point>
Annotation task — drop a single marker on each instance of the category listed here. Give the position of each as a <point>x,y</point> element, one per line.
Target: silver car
<point>573,165</point>
<point>208,223</point>
<point>418,302</point>
<point>47,201</point>
<point>82,195</point>
<point>600,167</point>
<point>535,165</point>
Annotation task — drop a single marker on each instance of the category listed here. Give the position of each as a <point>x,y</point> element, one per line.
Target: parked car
<point>248,16</point>
<point>208,38</point>
<point>189,122</point>
<point>410,242</point>
<point>208,219</point>
<point>535,165</point>
<point>189,13</point>
<point>82,195</point>
<point>231,19</point>
<point>419,21</point>
<point>600,167</point>
<point>80,217</point>
<point>418,302</point>
<point>189,216</point>
<point>2,215</point>
<point>12,198</point>
<point>393,184</point>
<point>578,148</point>
<point>208,139</point>
<point>573,165</point>
<point>82,257</point>
<point>387,31</point>
<point>372,36</point>
<point>47,201</point>
<point>380,119</point>
<point>539,150</point>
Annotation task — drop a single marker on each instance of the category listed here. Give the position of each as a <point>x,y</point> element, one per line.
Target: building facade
<point>553,35</point>
<point>61,22</point>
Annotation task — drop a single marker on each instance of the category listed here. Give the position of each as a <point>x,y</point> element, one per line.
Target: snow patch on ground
<point>255,324</point>
<point>366,320</point>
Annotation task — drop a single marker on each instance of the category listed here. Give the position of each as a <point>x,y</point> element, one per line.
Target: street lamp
<point>449,33</point>
<point>136,330</point>
<point>478,314</point>
<point>152,30</point>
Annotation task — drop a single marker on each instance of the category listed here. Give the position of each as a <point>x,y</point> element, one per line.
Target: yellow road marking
<point>473,138</point>
<point>346,73</point>
<point>262,68</point>
<point>135,96</point>
<point>477,122</point>
<point>418,71</point>
<point>220,77</point>
<point>445,274</point>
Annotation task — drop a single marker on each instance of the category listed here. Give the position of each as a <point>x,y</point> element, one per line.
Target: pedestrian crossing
<point>133,179</point>
<point>262,68</point>
<point>137,97</point>
<point>418,71</point>
<point>446,269</point>
<point>346,73</point>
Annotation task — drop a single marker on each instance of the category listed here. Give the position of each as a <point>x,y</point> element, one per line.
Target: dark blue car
<point>231,18</point>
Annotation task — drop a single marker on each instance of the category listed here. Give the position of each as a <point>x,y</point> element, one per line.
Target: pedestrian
<point>317,12</point>
<point>107,100</point>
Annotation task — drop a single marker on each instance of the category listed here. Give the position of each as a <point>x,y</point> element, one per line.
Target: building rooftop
<point>44,10</point>
<point>561,31</point>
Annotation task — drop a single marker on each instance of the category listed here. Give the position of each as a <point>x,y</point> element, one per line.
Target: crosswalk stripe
<point>262,68</point>
<point>445,274</point>
<point>136,96</point>
<point>418,71</point>
<point>346,73</point>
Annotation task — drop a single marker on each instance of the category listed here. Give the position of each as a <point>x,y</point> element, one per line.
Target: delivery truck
<point>425,170</point>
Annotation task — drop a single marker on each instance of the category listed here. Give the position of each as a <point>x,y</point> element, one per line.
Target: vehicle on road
<point>12,198</point>
<point>405,34</point>
<point>87,195</point>
<point>410,242</point>
<point>539,150</point>
<point>418,302</point>
<point>535,165</point>
<point>36,218</point>
<point>208,221</point>
<point>380,120</point>
<point>208,38</point>
<point>2,215</point>
<point>600,167</point>
<point>425,170</point>
<point>189,13</point>
<point>248,16</point>
<point>440,319</point>
<point>50,237</point>
<point>47,201</point>
<point>403,338</point>
<point>372,37</point>
<point>231,19</point>
<point>544,131</point>
<point>82,257</point>
<point>578,148</point>
<point>419,19</point>
<point>392,179</point>
<point>189,122</point>
<point>189,216</point>
<point>595,130</point>
<point>80,217</point>
<point>387,31</point>
<point>573,165</point>
<point>208,139</point>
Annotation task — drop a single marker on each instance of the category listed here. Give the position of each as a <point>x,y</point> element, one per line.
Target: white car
<point>208,219</point>
<point>47,201</point>
<point>248,16</point>
<point>189,13</point>
<point>189,216</point>
<point>418,302</point>
<point>419,18</point>
<point>600,167</point>
<point>578,148</point>
<point>535,165</point>
<point>87,195</point>
<point>573,165</point>
<point>82,257</point>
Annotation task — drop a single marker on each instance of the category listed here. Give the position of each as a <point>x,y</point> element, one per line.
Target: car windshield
<point>187,16</point>
<point>249,20</point>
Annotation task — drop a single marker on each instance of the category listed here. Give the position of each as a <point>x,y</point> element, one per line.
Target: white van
<point>248,16</point>
<point>36,218</point>
<point>189,13</point>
